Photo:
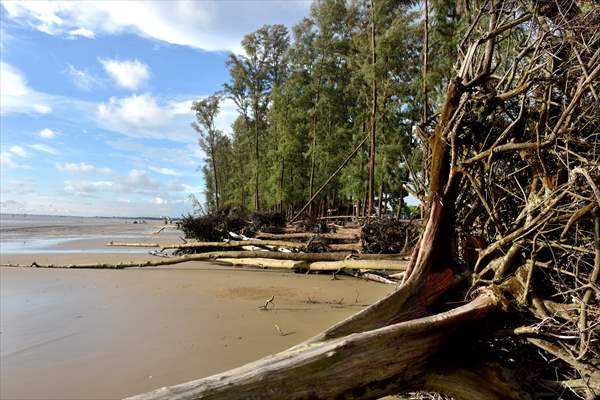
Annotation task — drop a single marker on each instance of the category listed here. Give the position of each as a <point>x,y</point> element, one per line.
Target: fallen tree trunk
<point>334,364</point>
<point>384,265</point>
<point>266,263</point>
<point>308,235</point>
<point>232,243</point>
<point>236,244</point>
<point>214,255</point>
<point>388,265</point>
<point>375,278</point>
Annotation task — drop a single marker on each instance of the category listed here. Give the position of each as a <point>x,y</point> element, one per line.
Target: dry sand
<point>96,334</point>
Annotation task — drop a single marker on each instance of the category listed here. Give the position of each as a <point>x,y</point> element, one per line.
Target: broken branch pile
<point>390,235</point>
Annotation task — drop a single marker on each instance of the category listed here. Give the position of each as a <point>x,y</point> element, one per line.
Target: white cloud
<point>7,161</point>
<point>159,200</point>
<point>83,168</point>
<point>209,24</point>
<point>13,82</point>
<point>128,74</point>
<point>138,180</point>
<point>82,32</point>
<point>164,171</point>
<point>185,158</point>
<point>17,96</point>
<point>44,149</point>
<point>47,133</point>
<point>83,79</point>
<point>85,188</point>
<point>42,108</point>
<point>142,116</point>
<point>18,150</point>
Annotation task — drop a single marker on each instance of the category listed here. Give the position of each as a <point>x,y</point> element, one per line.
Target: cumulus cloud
<point>128,74</point>
<point>17,96</point>
<point>83,168</point>
<point>136,181</point>
<point>44,149</point>
<point>209,25</point>
<point>19,151</point>
<point>143,116</point>
<point>13,82</point>
<point>47,133</point>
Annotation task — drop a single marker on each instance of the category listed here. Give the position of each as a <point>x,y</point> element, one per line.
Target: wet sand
<point>95,334</point>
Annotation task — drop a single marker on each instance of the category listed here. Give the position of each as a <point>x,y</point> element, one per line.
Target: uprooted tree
<point>501,297</point>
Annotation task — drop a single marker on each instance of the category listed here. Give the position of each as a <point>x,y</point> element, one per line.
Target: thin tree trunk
<point>281,185</point>
<point>214,165</point>
<point>366,203</point>
<point>379,202</point>
<point>256,153</point>
<point>373,117</point>
<point>425,61</point>
<point>314,137</point>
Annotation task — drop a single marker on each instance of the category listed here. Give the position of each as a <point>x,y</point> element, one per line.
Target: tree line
<point>307,98</point>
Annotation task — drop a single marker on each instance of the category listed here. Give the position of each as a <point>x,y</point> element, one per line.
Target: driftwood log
<point>216,255</point>
<point>308,235</point>
<point>237,244</point>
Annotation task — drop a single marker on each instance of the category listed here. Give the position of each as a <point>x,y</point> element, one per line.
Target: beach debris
<point>281,332</point>
<point>309,300</point>
<point>160,230</point>
<point>390,235</point>
<point>266,306</point>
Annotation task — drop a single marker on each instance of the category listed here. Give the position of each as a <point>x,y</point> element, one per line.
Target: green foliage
<point>303,107</point>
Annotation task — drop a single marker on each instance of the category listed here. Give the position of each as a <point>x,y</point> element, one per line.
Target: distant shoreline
<point>81,216</point>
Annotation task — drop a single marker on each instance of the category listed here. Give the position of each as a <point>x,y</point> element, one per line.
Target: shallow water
<point>36,234</point>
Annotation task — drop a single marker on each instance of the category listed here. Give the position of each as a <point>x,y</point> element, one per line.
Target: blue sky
<point>95,100</point>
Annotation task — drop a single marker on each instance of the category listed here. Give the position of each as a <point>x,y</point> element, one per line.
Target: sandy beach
<point>106,334</point>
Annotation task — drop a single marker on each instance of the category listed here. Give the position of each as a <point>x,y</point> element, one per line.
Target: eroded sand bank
<point>96,334</point>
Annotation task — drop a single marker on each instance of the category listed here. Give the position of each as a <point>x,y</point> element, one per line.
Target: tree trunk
<point>256,154</point>
<point>281,185</point>
<point>371,189</point>
<point>308,235</point>
<point>425,62</point>
<point>314,137</point>
<point>214,165</point>
<point>380,201</point>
